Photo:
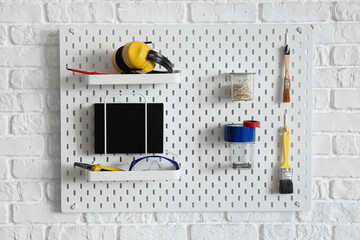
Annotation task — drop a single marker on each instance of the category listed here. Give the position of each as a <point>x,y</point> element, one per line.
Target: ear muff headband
<point>161,60</point>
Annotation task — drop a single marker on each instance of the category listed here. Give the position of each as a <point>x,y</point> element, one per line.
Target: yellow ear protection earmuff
<point>138,57</point>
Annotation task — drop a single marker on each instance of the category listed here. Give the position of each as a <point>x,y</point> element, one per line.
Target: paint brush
<point>286,171</point>
<point>286,95</point>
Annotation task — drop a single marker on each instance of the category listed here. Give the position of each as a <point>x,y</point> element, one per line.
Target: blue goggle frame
<point>176,165</point>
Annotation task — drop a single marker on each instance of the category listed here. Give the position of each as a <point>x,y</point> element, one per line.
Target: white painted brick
<point>346,99</point>
<point>286,232</point>
<point>36,169</point>
<point>9,102</point>
<point>347,33</point>
<point>53,101</point>
<point>204,232</point>
<point>279,232</point>
<point>320,99</point>
<point>319,189</point>
<point>223,12</point>
<point>35,79</point>
<point>345,189</point>
<point>336,33</point>
<point>42,213</point>
<point>27,35</point>
<point>82,233</point>
<point>54,143</point>
<point>348,77</point>
<point>347,11</point>
<point>347,144</point>
<point>23,232</point>
<point>323,33</point>
<point>295,12</point>
<point>20,12</point>
<point>93,12</point>
<point>320,56</point>
<point>3,214</point>
<point>80,12</point>
<point>357,77</point>
<point>260,216</point>
<point>30,124</point>
<point>22,57</point>
<point>53,191</point>
<point>109,218</point>
<point>20,191</point>
<point>176,232</point>
<point>118,217</point>
<point>188,217</point>
<point>335,77</point>
<point>56,12</point>
<point>336,121</point>
<point>3,79</point>
<point>348,212</point>
<point>320,212</point>
<point>137,12</point>
<point>3,36</point>
<point>4,169</point>
<point>345,55</point>
<point>321,144</point>
<point>134,218</point>
<point>31,102</point>
<point>4,124</point>
<point>335,167</point>
<point>21,146</point>
<point>344,232</point>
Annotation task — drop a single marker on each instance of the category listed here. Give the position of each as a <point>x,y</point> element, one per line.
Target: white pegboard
<point>195,112</point>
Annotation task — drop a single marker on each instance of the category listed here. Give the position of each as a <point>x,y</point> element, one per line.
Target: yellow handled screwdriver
<point>96,167</point>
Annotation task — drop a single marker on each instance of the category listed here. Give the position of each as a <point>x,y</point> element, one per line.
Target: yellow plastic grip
<point>286,147</point>
<point>99,167</point>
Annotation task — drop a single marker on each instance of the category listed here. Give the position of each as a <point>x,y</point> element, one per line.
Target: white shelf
<point>111,176</point>
<point>114,79</point>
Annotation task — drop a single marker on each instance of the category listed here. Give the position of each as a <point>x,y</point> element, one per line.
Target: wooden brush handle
<point>287,66</point>
<point>286,96</point>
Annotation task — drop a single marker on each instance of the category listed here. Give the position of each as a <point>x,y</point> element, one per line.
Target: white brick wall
<point>29,122</point>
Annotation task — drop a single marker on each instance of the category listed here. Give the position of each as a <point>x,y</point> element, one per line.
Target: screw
<point>71,30</point>
<point>73,207</point>
<point>297,203</point>
<point>299,29</point>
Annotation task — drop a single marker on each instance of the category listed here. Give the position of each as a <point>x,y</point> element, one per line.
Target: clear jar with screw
<point>242,86</point>
<point>241,138</point>
<point>242,155</point>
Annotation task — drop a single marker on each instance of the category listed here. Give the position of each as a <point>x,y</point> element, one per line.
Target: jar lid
<point>239,133</point>
<point>251,123</point>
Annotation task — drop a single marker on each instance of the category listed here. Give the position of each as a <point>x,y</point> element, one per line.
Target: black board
<point>126,127</point>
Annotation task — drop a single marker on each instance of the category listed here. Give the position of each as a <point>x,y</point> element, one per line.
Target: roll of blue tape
<point>239,133</point>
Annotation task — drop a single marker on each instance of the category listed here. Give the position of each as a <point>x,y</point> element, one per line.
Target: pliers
<point>96,167</point>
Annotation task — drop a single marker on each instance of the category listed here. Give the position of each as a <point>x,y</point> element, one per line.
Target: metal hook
<point>285,123</point>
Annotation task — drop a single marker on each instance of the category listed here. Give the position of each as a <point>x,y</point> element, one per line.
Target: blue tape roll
<point>239,133</point>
